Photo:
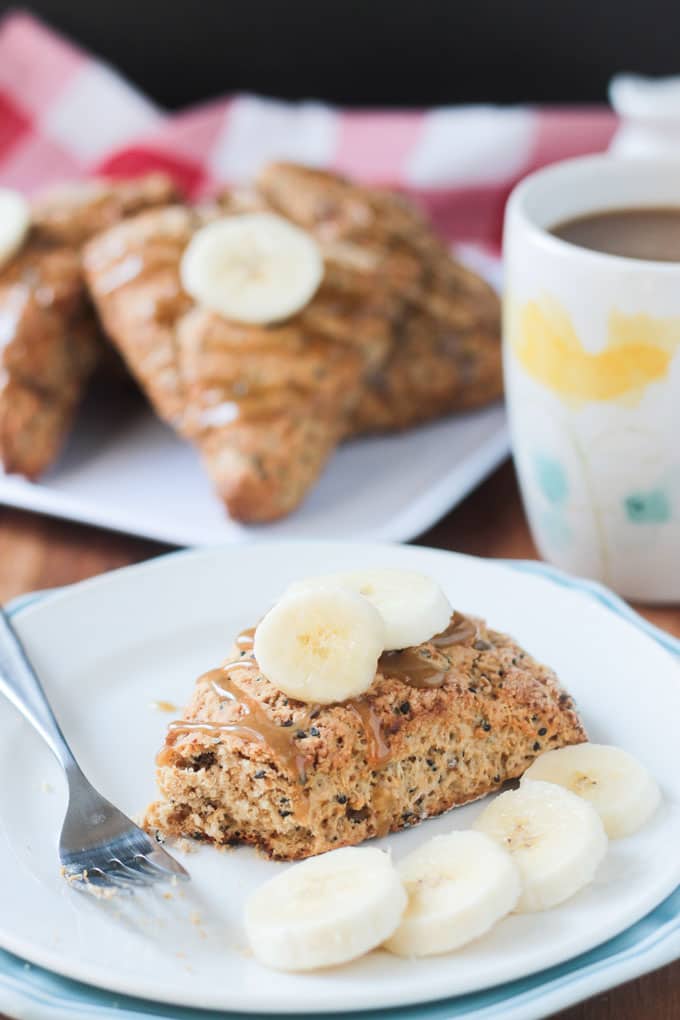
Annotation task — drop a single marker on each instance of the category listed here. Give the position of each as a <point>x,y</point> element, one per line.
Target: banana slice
<point>15,217</point>
<point>458,887</point>
<point>321,645</point>
<point>325,911</point>
<point>254,268</point>
<point>556,839</point>
<point>412,605</point>
<point>620,789</point>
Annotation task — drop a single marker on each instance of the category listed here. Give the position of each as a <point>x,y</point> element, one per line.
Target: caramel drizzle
<point>412,667</point>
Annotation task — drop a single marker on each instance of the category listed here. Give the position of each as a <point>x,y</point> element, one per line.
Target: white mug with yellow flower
<point>592,372</point>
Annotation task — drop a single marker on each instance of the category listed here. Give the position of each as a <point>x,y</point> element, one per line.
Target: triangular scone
<point>49,338</point>
<point>265,405</point>
<point>446,344</point>
<point>442,724</point>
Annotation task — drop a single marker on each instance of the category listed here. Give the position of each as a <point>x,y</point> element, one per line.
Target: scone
<point>442,724</point>
<point>445,355</point>
<point>50,341</point>
<point>265,404</point>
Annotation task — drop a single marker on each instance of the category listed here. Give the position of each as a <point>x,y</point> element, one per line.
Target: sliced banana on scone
<point>620,789</point>
<point>320,645</point>
<point>412,605</point>
<point>556,839</point>
<point>325,911</point>
<point>256,268</point>
<point>15,218</point>
<point>458,887</point>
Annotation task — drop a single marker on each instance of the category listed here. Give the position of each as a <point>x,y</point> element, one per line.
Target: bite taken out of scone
<point>324,728</point>
<point>50,341</point>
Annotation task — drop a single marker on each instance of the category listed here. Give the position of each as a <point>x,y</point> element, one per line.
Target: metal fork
<point>100,848</point>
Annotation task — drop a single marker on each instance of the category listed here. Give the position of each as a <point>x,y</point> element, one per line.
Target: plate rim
<point>663,949</point>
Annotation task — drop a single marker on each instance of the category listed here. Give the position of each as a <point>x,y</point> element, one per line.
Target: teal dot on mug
<point>552,479</point>
<point>651,507</point>
<point>555,529</point>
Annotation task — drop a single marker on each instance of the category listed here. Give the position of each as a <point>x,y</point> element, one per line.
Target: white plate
<point>131,473</point>
<point>109,647</point>
<point>124,469</point>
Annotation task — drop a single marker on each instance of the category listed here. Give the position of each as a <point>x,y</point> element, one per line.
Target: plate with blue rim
<point>111,648</point>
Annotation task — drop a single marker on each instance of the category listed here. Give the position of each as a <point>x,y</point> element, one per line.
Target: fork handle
<point>20,684</point>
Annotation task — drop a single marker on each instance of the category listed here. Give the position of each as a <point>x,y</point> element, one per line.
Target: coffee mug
<point>592,374</point>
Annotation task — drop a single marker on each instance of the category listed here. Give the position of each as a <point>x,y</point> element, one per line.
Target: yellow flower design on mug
<point>638,352</point>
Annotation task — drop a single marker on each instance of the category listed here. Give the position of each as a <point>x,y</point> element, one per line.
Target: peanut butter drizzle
<point>256,724</point>
<point>281,739</point>
<point>408,665</point>
<point>246,639</point>
<point>460,630</point>
<point>384,804</point>
<point>163,706</point>
<point>378,751</point>
<point>413,667</point>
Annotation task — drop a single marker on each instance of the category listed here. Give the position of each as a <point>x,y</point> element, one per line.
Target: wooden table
<point>37,552</point>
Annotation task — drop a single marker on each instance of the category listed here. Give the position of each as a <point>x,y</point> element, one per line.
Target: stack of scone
<point>265,327</point>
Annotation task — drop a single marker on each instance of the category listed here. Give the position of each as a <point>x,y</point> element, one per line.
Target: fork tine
<point>157,872</point>
<point>92,880</point>
<point>154,873</point>
<point>117,879</point>
<point>157,858</point>
<point>126,872</point>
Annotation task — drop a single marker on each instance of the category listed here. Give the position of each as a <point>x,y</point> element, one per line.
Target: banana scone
<point>445,354</point>
<point>50,341</point>
<point>442,723</point>
<point>264,402</point>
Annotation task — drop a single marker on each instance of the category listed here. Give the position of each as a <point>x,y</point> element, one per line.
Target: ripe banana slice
<point>412,605</point>
<point>620,789</point>
<point>326,910</point>
<point>15,217</point>
<point>556,839</point>
<point>320,645</point>
<point>254,268</point>
<point>458,887</point>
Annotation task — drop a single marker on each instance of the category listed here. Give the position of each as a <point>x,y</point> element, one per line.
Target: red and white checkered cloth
<point>64,114</point>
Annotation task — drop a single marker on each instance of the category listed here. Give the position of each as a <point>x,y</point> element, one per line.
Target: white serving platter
<point>123,469</point>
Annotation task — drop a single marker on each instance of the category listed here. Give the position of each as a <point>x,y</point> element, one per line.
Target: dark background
<point>403,52</point>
